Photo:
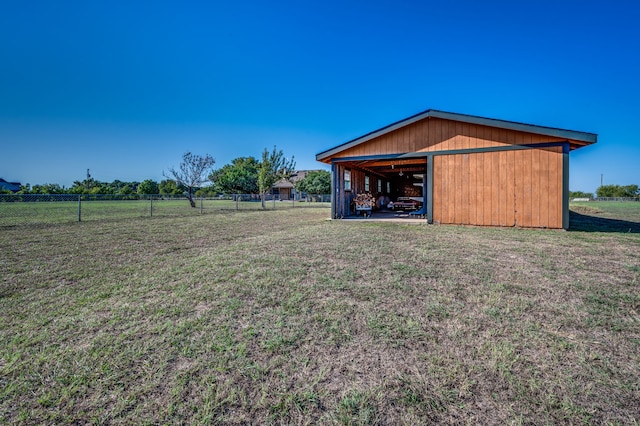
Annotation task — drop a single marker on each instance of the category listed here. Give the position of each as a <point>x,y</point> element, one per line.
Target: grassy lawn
<point>281,316</point>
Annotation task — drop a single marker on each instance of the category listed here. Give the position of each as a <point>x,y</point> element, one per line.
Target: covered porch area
<point>399,183</point>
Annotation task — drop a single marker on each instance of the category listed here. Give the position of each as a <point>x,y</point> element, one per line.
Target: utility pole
<point>601,178</point>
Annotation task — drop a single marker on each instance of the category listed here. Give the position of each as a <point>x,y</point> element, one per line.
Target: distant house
<point>285,189</point>
<point>11,186</point>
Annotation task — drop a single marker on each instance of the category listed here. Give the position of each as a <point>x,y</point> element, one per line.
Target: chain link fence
<point>616,199</point>
<point>32,209</point>
<point>597,199</point>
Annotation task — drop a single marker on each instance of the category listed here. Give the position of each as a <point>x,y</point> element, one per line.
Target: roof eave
<point>373,135</point>
<point>586,138</point>
<point>589,138</point>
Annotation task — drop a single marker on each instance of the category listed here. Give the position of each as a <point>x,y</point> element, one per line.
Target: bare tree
<point>193,172</point>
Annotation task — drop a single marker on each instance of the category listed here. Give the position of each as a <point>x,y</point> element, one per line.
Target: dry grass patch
<point>284,317</point>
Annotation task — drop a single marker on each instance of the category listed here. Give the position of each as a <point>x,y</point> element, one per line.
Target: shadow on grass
<point>587,223</point>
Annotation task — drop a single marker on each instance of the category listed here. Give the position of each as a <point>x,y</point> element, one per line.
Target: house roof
<point>283,183</point>
<point>583,137</point>
<point>295,177</point>
<point>11,186</point>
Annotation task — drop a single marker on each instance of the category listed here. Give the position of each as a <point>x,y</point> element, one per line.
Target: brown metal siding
<point>501,188</point>
<point>435,134</point>
<point>505,188</point>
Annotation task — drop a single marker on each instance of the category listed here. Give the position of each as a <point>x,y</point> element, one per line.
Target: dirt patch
<point>586,210</point>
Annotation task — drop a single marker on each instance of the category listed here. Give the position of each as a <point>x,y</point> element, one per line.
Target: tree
<point>580,194</point>
<point>617,191</point>
<point>84,187</point>
<point>127,190</point>
<point>206,192</point>
<point>117,187</point>
<point>93,186</point>
<point>629,191</point>
<point>315,182</point>
<point>192,173</point>
<point>24,189</point>
<point>273,167</point>
<point>47,188</point>
<point>239,177</point>
<point>170,187</point>
<point>148,186</point>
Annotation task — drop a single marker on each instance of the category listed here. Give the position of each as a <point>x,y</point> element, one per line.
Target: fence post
<point>201,210</point>
<point>236,197</point>
<point>79,209</point>
<point>151,205</point>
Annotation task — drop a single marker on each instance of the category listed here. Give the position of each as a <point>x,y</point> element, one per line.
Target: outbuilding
<point>10,186</point>
<point>460,169</point>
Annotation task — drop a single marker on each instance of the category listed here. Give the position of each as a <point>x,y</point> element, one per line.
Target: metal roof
<point>11,186</point>
<point>586,138</point>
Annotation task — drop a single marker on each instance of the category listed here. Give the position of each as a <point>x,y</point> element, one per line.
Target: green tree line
<point>609,191</point>
<point>244,175</point>
<point>117,187</point>
<point>618,191</point>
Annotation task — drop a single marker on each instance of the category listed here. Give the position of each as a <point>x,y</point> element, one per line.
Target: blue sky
<point>125,88</point>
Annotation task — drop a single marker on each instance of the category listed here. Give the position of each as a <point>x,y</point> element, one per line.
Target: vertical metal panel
<point>446,189</point>
<point>502,188</point>
<point>565,187</point>
<point>334,189</point>
<point>464,189</point>
<point>536,188</point>
<point>459,188</point>
<point>438,133</point>
<point>449,190</point>
<point>555,192</point>
<point>473,188</point>
<point>528,189</point>
<point>496,187</point>
<point>480,197</point>
<point>511,189</point>
<point>488,190</point>
<point>425,190</point>
<point>339,192</point>
<point>436,182</point>
<point>546,186</point>
<point>429,178</point>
